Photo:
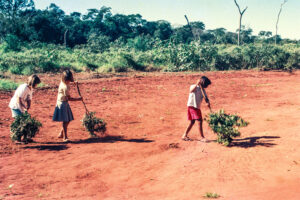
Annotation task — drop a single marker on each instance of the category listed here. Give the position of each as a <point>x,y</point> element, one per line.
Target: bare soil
<point>143,157</point>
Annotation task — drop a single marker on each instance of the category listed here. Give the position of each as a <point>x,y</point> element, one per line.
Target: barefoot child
<point>197,93</point>
<point>21,101</point>
<point>63,112</point>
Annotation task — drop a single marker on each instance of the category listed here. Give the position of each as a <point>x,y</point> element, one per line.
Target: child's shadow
<point>111,139</point>
<point>103,139</point>
<point>265,141</point>
<point>56,147</point>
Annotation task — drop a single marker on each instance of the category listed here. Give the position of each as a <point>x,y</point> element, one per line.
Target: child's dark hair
<point>33,80</point>
<point>205,82</point>
<point>67,76</point>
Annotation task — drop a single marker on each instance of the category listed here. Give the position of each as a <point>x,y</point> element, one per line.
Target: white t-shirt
<point>22,92</point>
<point>196,97</point>
<point>63,93</point>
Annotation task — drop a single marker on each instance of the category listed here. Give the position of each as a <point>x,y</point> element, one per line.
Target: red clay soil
<point>143,156</point>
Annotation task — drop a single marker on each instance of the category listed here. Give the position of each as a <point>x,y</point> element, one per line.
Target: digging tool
<point>86,110</point>
<point>203,94</point>
<point>90,121</point>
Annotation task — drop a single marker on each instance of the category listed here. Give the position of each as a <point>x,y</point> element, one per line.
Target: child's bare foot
<point>66,140</point>
<point>20,142</point>
<point>28,140</point>
<point>203,139</point>
<point>186,138</point>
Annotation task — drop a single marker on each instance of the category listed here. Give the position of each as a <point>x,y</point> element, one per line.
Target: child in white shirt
<point>21,101</point>
<point>197,93</point>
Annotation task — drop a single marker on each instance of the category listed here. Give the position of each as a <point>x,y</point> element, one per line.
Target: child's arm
<point>205,98</point>
<point>193,88</point>
<point>20,102</point>
<point>74,99</point>
<point>28,104</point>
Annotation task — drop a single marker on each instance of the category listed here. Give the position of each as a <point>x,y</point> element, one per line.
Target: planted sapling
<point>226,126</point>
<point>24,125</point>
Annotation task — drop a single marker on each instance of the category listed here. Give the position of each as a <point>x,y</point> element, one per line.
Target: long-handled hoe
<point>90,122</point>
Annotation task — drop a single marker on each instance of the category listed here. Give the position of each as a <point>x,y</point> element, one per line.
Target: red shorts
<point>194,113</point>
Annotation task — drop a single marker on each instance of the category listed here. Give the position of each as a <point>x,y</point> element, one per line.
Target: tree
<point>219,35</point>
<point>265,36</point>
<point>164,30</point>
<point>246,34</point>
<point>196,28</point>
<point>278,19</point>
<point>12,21</point>
<point>240,22</point>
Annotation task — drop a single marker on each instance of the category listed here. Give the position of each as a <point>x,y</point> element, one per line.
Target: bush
<point>8,85</point>
<point>12,43</point>
<point>24,125</point>
<point>93,124</point>
<point>98,43</point>
<point>225,126</point>
<point>133,55</point>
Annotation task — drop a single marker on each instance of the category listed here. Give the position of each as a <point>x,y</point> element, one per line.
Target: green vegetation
<point>8,85</point>
<point>225,126</point>
<point>93,124</point>
<point>211,195</point>
<point>39,41</point>
<point>24,125</point>
<point>164,56</point>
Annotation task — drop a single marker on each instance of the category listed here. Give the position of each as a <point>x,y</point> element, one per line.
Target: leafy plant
<point>211,195</point>
<point>225,126</point>
<point>24,125</point>
<point>93,124</point>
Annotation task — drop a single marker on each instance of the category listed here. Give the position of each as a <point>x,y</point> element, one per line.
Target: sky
<point>260,14</point>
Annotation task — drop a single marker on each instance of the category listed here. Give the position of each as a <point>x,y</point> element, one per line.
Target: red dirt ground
<point>146,115</point>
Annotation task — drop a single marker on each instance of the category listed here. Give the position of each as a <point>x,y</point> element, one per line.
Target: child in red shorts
<point>197,93</point>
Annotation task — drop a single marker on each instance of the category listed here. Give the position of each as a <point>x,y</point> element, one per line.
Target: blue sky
<point>260,15</point>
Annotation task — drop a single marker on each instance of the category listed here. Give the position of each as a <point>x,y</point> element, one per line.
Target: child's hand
<point>208,105</point>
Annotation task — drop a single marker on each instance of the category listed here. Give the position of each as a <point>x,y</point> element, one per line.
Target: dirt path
<point>146,116</point>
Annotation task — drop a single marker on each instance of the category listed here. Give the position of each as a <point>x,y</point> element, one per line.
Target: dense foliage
<point>225,126</point>
<point>93,124</point>
<point>7,85</point>
<point>38,41</point>
<point>164,56</point>
<point>24,125</point>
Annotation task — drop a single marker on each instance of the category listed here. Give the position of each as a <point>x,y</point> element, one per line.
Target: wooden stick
<point>86,110</point>
<point>205,97</point>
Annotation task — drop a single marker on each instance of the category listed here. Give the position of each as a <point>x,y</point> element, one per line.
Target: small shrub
<point>225,126</point>
<point>211,195</point>
<point>93,124</point>
<point>8,85</point>
<point>24,125</point>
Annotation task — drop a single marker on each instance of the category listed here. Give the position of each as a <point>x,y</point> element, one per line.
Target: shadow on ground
<point>264,141</point>
<point>111,139</point>
<point>59,147</point>
<point>105,139</point>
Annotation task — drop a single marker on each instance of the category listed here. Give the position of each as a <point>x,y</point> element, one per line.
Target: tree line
<point>21,21</point>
